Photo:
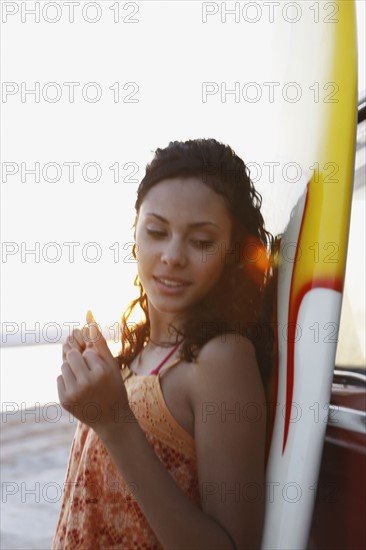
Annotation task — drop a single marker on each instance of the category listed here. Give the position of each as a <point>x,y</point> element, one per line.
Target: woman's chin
<point>169,304</point>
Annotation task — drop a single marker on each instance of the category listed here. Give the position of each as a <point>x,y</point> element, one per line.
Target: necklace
<point>162,344</point>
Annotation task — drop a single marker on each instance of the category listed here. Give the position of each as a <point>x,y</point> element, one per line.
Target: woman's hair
<point>242,300</point>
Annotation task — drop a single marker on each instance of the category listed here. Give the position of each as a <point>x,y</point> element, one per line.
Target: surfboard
<point>310,280</point>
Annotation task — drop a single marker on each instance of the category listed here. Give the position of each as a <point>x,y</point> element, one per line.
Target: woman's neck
<point>161,334</point>
<point>162,344</point>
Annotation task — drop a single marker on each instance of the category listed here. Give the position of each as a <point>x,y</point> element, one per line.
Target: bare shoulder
<point>224,343</point>
<point>228,361</point>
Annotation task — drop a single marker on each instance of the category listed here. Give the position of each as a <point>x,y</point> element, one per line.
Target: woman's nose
<point>174,253</point>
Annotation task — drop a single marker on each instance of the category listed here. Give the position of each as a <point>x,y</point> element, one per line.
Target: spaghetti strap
<point>157,369</point>
<point>167,367</point>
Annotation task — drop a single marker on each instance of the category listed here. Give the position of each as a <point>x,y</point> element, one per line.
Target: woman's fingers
<point>76,368</point>
<point>81,376</point>
<point>99,342</point>
<point>67,374</point>
<point>61,389</point>
<point>75,341</point>
<point>65,348</point>
<point>88,379</point>
<point>78,337</point>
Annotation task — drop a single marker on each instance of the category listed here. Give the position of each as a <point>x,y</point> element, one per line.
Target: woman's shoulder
<point>227,361</point>
<point>227,353</point>
<point>226,344</point>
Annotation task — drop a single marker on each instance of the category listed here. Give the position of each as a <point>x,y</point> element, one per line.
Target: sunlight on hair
<point>255,260</point>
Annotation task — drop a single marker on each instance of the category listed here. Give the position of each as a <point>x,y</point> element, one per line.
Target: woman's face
<point>182,233</point>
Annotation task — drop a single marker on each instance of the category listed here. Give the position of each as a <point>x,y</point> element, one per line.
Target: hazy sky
<point>149,68</point>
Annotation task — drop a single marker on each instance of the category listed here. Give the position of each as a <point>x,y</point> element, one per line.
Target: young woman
<point>169,450</point>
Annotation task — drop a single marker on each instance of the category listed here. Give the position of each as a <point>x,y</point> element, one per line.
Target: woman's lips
<point>173,289</point>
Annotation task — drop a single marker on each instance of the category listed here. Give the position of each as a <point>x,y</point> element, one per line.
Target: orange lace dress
<point>98,510</point>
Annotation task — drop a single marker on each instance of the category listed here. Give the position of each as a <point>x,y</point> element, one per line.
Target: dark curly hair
<point>242,300</point>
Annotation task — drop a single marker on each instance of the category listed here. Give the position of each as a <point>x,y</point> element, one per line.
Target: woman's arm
<point>177,522</point>
<point>230,429</point>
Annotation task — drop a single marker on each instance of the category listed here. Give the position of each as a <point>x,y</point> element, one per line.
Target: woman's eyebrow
<point>195,224</point>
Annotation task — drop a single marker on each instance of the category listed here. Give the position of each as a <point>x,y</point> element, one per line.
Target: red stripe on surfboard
<point>294,306</point>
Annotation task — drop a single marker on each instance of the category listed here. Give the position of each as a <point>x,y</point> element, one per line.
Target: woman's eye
<point>196,242</point>
<point>202,243</point>
<point>155,233</point>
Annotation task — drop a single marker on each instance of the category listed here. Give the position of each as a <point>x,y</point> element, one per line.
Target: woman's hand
<point>91,385</point>
<point>75,341</point>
